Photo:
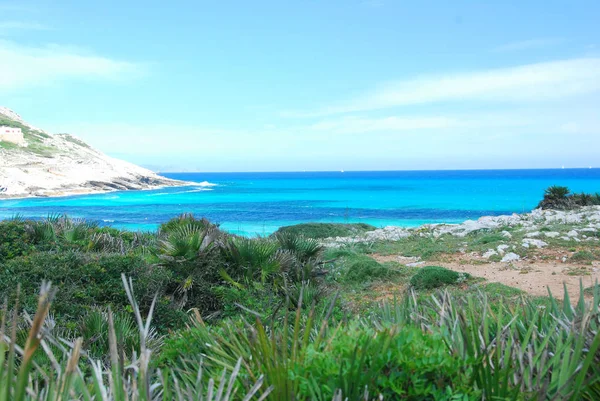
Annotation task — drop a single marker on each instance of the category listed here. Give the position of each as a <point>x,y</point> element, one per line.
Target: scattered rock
<point>502,248</point>
<point>511,257</point>
<point>489,253</point>
<point>531,223</point>
<point>415,264</point>
<point>538,243</point>
<point>552,234</point>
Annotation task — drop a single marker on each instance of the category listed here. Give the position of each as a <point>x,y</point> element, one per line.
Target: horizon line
<point>375,171</point>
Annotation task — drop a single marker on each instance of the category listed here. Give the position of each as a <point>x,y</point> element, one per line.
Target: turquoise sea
<point>259,203</point>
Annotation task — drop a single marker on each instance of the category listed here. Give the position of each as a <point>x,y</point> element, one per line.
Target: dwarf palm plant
<point>251,259</point>
<point>187,242</point>
<point>556,192</point>
<point>555,197</point>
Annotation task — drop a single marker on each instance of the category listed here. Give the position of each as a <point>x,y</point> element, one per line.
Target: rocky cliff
<point>61,164</point>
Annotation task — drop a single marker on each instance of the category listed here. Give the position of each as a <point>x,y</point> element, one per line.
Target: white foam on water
<point>206,184</point>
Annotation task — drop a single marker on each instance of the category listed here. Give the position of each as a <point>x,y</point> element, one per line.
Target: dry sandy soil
<point>533,276</point>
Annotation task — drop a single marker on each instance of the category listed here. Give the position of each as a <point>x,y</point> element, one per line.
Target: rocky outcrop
<point>531,223</point>
<point>56,165</point>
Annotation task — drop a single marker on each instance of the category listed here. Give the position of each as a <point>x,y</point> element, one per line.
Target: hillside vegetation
<point>141,315</point>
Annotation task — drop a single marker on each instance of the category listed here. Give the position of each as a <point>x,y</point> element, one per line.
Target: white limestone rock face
<point>64,165</point>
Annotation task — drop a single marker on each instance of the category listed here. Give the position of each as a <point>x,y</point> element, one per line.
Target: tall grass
<point>76,375</point>
<point>526,350</point>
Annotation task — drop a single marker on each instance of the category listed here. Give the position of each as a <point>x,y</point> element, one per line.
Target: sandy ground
<point>532,276</point>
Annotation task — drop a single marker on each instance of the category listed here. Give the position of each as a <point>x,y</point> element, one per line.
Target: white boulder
<point>511,257</point>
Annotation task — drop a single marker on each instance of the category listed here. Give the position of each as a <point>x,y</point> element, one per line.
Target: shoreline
<point>84,191</point>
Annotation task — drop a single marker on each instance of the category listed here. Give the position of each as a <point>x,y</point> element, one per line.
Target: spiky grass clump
<point>76,375</point>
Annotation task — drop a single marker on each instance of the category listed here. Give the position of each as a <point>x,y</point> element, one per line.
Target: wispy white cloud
<point>528,44</point>
<point>359,125</point>
<point>528,83</point>
<point>24,66</point>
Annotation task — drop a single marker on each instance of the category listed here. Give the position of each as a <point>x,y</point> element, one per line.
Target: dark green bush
<point>359,268</point>
<point>192,283</point>
<point>583,256</point>
<point>326,230</point>
<point>15,239</point>
<point>430,277</point>
<point>557,197</point>
<point>83,281</point>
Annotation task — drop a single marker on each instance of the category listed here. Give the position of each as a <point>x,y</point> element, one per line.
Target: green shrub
<point>192,282</point>
<point>430,277</point>
<point>349,266</point>
<point>183,220</point>
<point>366,270</point>
<point>583,256</point>
<point>15,239</point>
<point>326,230</point>
<point>488,239</point>
<point>557,197</point>
<point>83,281</point>
<point>398,363</point>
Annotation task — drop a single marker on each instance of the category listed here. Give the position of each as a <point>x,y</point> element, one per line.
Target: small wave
<point>108,220</point>
<point>160,193</point>
<point>206,184</point>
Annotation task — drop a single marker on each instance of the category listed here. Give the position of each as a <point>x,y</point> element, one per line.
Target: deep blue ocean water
<point>259,203</point>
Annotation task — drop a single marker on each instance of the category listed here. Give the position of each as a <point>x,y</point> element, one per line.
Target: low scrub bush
<point>430,277</point>
<point>353,267</point>
<point>326,230</point>
<point>15,239</point>
<point>83,281</point>
<point>489,239</point>
<point>583,256</point>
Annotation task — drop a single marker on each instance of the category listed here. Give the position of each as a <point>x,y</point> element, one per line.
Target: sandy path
<point>534,277</point>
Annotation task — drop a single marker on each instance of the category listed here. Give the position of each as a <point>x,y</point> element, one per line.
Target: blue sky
<point>311,85</point>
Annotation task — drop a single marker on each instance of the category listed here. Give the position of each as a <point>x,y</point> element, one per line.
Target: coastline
<point>91,191</point>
